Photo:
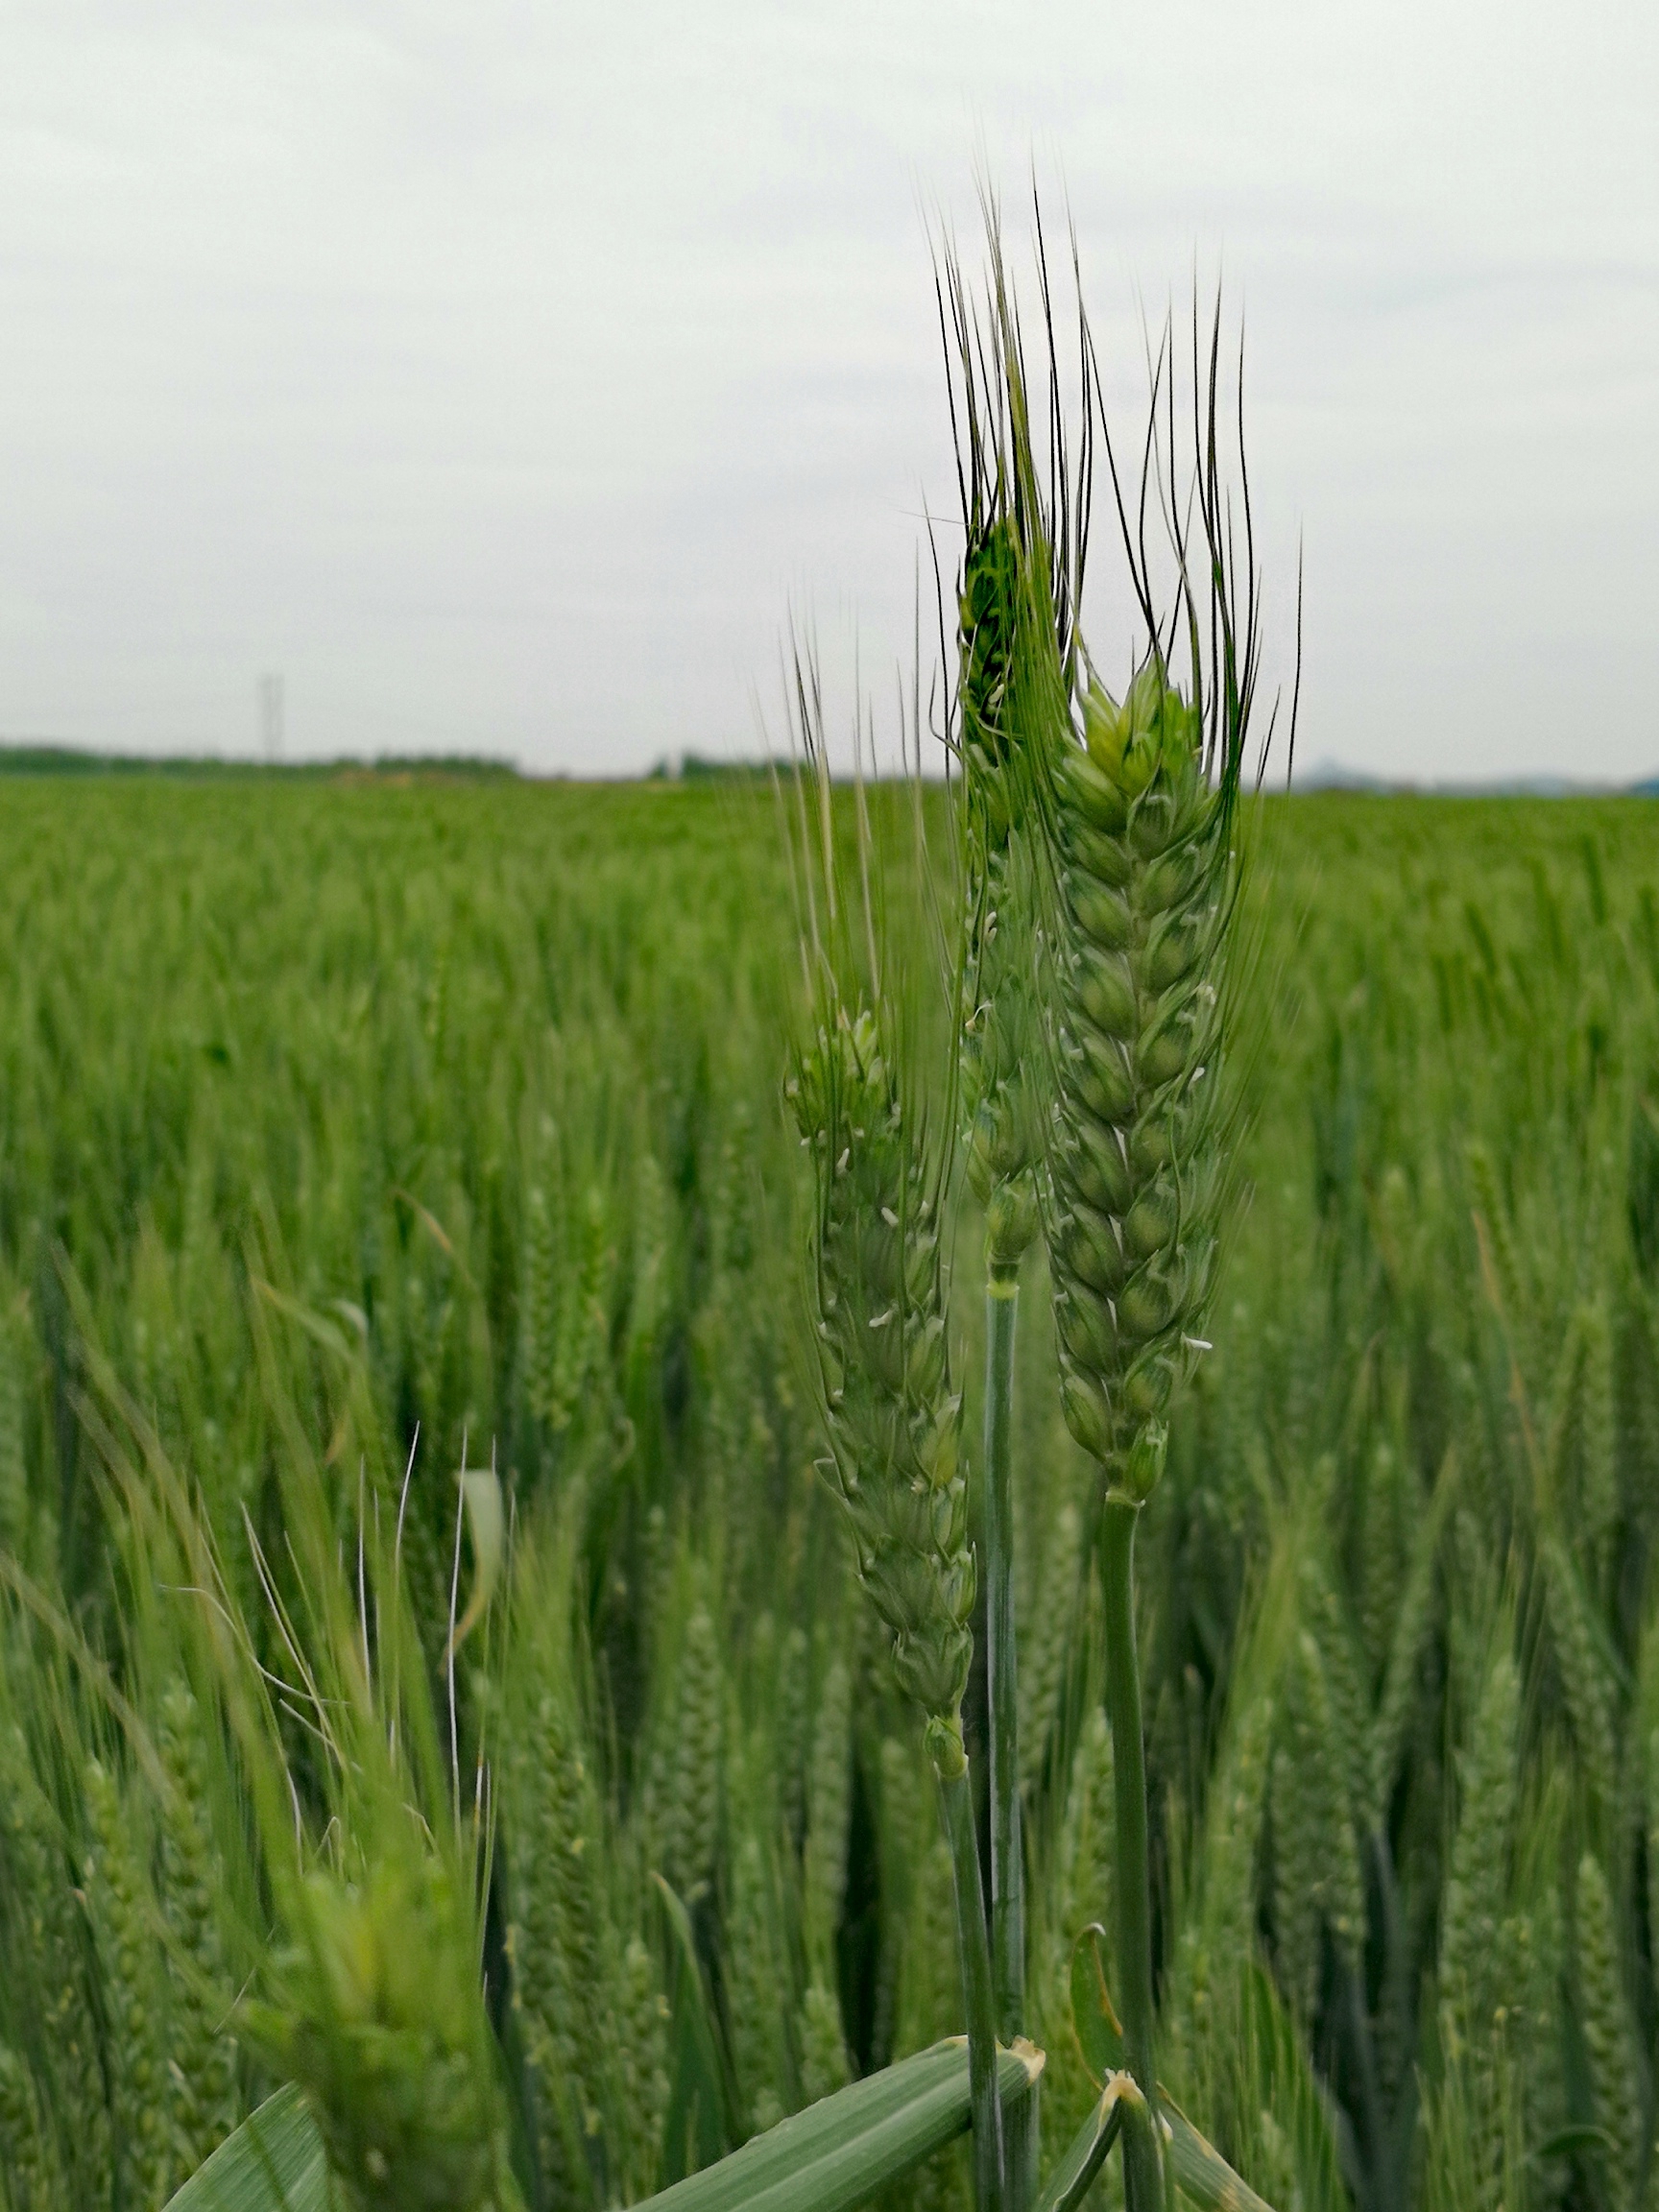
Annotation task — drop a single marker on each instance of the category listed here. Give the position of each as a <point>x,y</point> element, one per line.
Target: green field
<point>357,1131</point>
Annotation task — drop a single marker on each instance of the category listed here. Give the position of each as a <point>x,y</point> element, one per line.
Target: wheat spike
<point>379,2018</point>
<point>1412,1624</point>
<point>1350,1707</point>
<point>824,2058</point>
<point>824,2062</point>
<point>118,1900</point>
<point>692,1815</point>
<point>1583,1673</point>
<point>1381,1550</point>
<point>1317,1865</point>
<point>554,1933</point>
<point>1143,859</point>
<point>1615,2080</point>
<point>48,1922</point>
<point>1482,1971</point>
<point>929,1986</point>
<point>642,2049</point>
<point>14,1513</point>
<point>792,1734</point>
<point>1217,1940</point>
<point>203,2056</point>
<point>1477,1892</point>
<point>541,1303</point>
<point>894,1422</point>
<point>753,1977</point>
<point>29,2170</point>
<point>1514,1298</point>
<point>1002,1038</point>
<point>828,1797</point>
<point>1598,1443</point>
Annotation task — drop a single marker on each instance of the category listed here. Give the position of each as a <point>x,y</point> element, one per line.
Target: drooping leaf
<point>486,1519</point>
<point>1565,2141</point>
<point>1094,2019</point>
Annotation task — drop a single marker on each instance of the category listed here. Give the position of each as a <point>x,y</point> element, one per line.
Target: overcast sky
<point>504,375</point>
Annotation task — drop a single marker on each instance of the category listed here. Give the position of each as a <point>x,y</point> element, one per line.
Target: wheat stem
<point>973,1951</point>
<point>1007,1849</point>
<point>1007,1877</point>
<point>1143,2186</point>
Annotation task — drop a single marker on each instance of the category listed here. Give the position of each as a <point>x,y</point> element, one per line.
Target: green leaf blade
<point>275,2162</point>
<point>840,2150</point>
<point>1201,2170</point>
<point>1072,2179</point>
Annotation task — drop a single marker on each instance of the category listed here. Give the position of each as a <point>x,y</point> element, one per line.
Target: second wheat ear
<point>895,1427</point>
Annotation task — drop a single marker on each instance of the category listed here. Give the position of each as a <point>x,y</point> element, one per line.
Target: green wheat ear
<point>894,1425</point>
<point>1002,1095</point>
<point>119,1901</point>
<point>381,2023</point>
<point>28,2153</point>
<point>51,1961</point>
<point>204,2057</point>
<point>1609,2039</point>
<point>1017,644</point>
<point>1145,906</point>
<point>879,1303</point>
<point>894,1420</point>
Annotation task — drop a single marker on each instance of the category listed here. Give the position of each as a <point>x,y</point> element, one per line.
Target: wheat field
<point>355,1134</point>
